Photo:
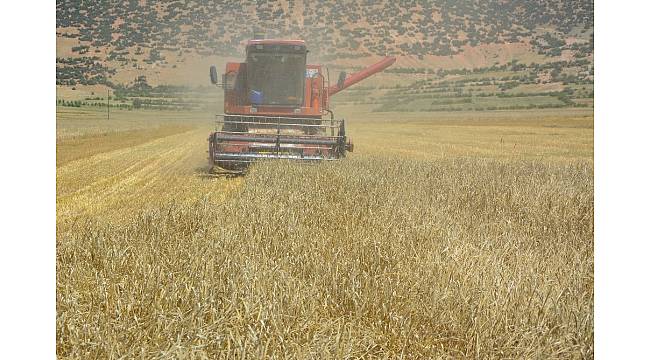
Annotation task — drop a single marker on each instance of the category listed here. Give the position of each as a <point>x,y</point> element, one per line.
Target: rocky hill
<point>102,41</point>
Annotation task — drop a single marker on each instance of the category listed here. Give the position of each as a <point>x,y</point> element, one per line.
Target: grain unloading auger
<point>276,106</point>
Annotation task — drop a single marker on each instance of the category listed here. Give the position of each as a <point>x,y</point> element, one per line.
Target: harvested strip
<point>82,147</point>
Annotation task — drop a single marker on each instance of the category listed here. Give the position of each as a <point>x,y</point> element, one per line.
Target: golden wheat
<point>380,255</point>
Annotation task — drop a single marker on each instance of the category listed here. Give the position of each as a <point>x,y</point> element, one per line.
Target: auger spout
<point>358,76</point>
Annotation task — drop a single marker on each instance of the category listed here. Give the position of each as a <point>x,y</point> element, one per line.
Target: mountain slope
<point>140,35</point>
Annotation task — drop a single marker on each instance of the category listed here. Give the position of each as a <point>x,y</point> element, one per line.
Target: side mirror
<point>341,81</point>
<point>213,75</point>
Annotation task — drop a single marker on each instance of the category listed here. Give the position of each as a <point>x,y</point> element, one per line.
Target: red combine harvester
<point>276,106</point>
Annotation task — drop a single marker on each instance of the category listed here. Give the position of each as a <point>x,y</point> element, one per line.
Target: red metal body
<point>255,130</point>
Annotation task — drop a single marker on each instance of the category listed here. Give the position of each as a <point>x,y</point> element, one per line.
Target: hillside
<point>117,41</point>
<point>340,28</point>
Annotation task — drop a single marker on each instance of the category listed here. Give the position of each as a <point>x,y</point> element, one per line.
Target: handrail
<point>269,117</point>
<point>275,124</point>
<point>274,135</point>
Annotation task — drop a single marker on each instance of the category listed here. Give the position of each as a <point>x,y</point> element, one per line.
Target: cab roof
<point>275,42</point>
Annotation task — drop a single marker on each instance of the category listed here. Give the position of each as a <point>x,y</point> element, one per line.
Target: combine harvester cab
<point>276,106</point>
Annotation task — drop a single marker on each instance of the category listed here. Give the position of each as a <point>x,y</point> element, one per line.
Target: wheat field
<point>446,236</point>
